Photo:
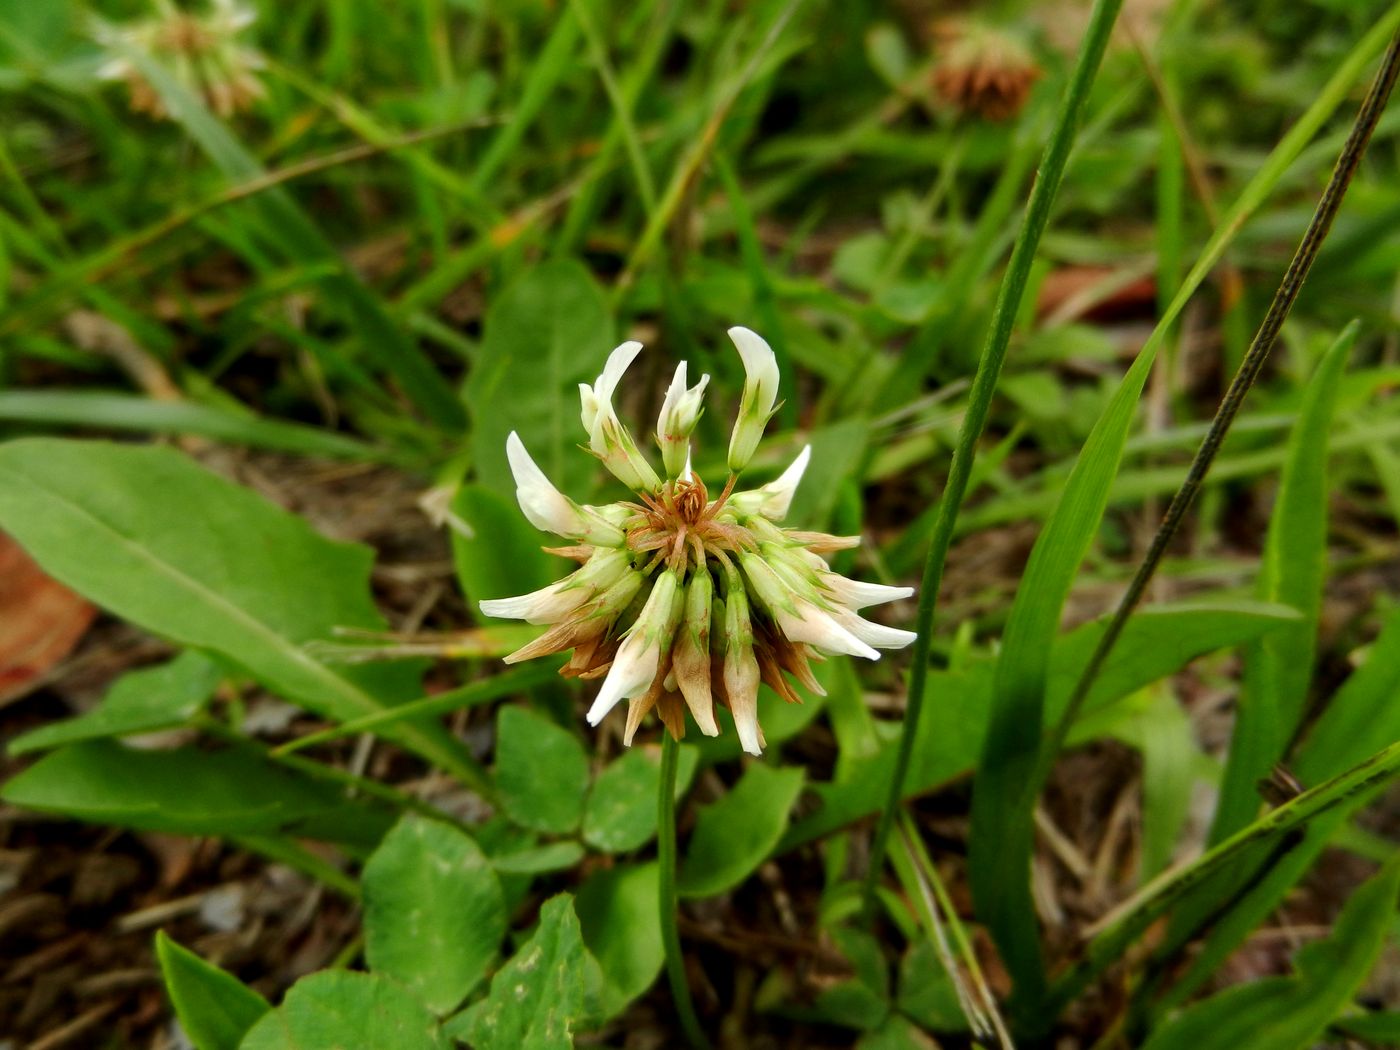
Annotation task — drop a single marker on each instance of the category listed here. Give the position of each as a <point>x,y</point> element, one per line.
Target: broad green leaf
<point>1290,1013</point>
<point>548,332</point>
<point>541,771</point>
<point>502,557</point>
<point>1006,784</point>
<point>347,1009</point>
<point>177,550</point>
<point>140,701</point>
<point>188,791</point>
<point>734,835</point>
<point>1278,668</point>
<point>542,994</point>
<point>215,1009</point>
<point>617,911</point>
<point>434,913</point>
<point>620,814</point>
<point>283,225</point>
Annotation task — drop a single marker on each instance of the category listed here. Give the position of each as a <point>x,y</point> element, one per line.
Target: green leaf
<point>177,550</point>
<point>837,450</point>
<point>1381,1028</point>
<point>88,408</point>
<point>1154,723</point>
<point>215,1009</point>
<point>1278,668</point>
<point>188,791</point>
<point>539,997</point>
<point>734,835</point>
<point>1358,721</point>
<point>617,914</point>
<point>502,557</point>
<point>1007,780</point>
<point>620,814</point>
<point>548,332</point>
<point>926,992</point>
<point>140,701</point>
<point>1156,642</point>
<point>434,913</point>
<point>536,860</point>
<point>347,1010</point>
<point>1290,1013</point>
<point>541,771</point>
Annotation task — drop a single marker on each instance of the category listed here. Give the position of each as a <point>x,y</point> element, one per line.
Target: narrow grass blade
<point>1125,925</point>
<point>82,408</point>
<point>284,224</point>
<point>1278,669</point>
<point>984,384</point>
<point>1011,772</point>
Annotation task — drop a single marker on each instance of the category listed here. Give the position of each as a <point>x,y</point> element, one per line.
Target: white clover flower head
<point>201,49</point>
<point>684,603</point>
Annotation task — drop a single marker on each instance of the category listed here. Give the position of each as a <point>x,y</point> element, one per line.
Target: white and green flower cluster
<point>685,602</point>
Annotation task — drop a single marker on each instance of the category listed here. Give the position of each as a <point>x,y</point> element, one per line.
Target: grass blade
<point>283,223</point>
<point>1279,668</point>
<point>984,384</point>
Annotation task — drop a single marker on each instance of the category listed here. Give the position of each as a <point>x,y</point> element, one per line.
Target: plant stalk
<point>666,895</point>
<point>1347,163</point>
<point>1013,288</point>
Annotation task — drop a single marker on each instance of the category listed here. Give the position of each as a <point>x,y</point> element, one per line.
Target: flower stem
<point>666,895</point>
<point>1013,287</point>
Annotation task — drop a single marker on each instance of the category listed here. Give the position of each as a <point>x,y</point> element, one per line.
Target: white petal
<point>547,605</point>
<point>632,671</point>
<point>875,634</point>
<point>777,494</point>
<point>856,594</point>
<point>813,626</point>
<point>760,364</point>
<point>543,505</point>
<point>747,725</point>
<point>617,364</point>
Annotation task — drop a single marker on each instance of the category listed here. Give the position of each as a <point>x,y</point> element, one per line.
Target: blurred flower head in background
<point>983,69</point>
<point>683,600</point>
<point>202,51</point>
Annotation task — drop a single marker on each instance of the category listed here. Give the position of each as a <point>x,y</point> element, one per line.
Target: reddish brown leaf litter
<point>40,621</point>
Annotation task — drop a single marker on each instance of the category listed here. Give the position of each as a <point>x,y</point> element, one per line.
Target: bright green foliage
<point>620,814</point>
<point>541,771</point>
<point>210,565</point>
<point>1279,668</point>
<point>542,995</point>
<point>140,701</point>
<point>544,335</point>
<point>1290,1013</point>
<point>345,1010</point>
<point>617,914</point>
<point>434,913</point>
<point>187,791</point>
<point>734,835</point>
<point>215,1009</point>
<point>502,556</point>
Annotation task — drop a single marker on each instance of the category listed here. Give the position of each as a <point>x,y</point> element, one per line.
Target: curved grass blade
<point>1013,764</point>
<point>1008,304</point>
